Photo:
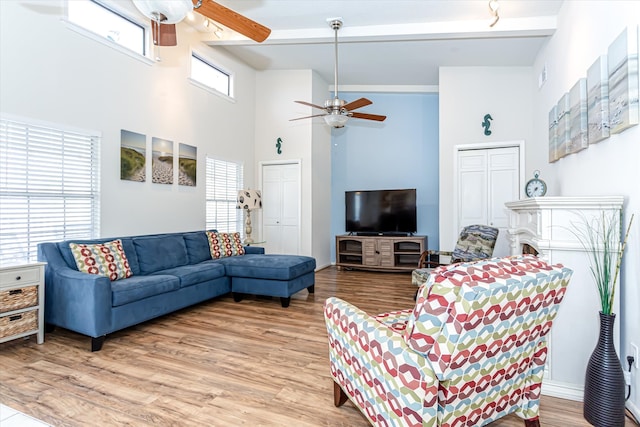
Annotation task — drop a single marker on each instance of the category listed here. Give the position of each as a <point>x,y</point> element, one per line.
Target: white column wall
<point>466,95</point>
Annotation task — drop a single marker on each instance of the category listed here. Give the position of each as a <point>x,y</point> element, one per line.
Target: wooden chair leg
<point>339,396</point>
<point>533,422</point>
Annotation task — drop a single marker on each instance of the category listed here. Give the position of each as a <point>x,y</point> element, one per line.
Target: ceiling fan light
<point>336,120</point>
<point>174,10</point>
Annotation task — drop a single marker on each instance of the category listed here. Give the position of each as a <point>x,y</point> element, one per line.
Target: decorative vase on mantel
<point>604,381</point>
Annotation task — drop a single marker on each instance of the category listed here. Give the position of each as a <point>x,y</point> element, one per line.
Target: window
<point>48,187</point>
<point>107,23</point>
<point>224,179</point>
<point>210,76</point>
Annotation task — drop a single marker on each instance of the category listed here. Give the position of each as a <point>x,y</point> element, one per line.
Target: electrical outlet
<point>634,353</point>
<point>627,378</point>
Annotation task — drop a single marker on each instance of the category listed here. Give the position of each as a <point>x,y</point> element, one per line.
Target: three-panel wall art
<point>133,160</point>
<point>602,103</point>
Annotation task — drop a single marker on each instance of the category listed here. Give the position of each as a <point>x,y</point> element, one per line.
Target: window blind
<point>49,187</point>
<point>224,179</point>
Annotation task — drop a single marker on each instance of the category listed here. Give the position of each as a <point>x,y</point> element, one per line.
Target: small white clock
<point>535,187</point>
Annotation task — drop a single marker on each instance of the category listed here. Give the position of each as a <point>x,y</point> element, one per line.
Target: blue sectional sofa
<point>170,272</point>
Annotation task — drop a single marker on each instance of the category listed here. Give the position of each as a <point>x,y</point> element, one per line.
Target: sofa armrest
<point>78,301</point>
<point>360,349</point>
<point>253,250</point>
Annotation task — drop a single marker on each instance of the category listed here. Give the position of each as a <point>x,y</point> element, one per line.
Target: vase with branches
<point>604,240</point>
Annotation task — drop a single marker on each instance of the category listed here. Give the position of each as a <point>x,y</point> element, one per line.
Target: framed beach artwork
<point>598,100</point>
<point>564,126</point>
<point>553,133</point>
<point>187,162</point>
<point>133,148</point>
<point>161,161</point>
<point>578,114</point>
<point>622,59</point>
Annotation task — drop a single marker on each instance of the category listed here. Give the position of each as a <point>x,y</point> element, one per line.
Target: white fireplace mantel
<point>547,225</point>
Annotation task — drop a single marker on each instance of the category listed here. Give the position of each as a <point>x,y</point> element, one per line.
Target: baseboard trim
<point>562,390</point>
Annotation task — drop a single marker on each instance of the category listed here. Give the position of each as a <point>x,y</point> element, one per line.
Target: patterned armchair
<point>475,242</point>
<point>472,350</point>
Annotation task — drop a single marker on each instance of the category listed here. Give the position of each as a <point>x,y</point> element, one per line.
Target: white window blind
<point>49,187</point>
<point>224,179</point>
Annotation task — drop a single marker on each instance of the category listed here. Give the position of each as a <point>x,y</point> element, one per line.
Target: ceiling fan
<point>164,14</point>
<point>337,111</point>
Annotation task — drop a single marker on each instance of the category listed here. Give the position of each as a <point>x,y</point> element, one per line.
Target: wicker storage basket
<point>15,324</point>
<point>15,299</point>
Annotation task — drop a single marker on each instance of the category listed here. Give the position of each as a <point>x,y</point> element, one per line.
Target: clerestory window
<point>207,74</point>
<point>107,23</point>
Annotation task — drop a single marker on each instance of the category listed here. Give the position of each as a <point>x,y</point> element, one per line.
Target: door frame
<point>298,163</point>
<point>484,146</point>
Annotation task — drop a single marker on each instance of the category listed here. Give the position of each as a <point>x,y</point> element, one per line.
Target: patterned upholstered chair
<point>472,350</point>
<point>475,242</point>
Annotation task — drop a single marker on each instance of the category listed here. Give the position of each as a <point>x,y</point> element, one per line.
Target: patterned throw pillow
<point>104,259</point>
<point>224,244</point>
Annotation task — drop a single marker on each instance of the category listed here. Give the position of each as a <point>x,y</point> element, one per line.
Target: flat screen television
<point>381,211</point>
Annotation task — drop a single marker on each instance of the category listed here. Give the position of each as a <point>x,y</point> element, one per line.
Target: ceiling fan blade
<point>307,117</point>
<point>358,103</point>
<point>309,104</point>
<point>366,116</point>
<point>164,34</point>
<point>233,20</point>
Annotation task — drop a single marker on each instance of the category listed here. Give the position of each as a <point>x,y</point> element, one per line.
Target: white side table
<point>22,301</point>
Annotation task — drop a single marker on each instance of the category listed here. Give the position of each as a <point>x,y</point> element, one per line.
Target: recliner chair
<point>471,351</point>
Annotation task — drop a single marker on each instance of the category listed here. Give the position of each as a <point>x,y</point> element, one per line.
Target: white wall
<point>466,95</point>
<point>321,173</point>
<point>275,93</point>
<point>51,73</point>
<point>611,167</point>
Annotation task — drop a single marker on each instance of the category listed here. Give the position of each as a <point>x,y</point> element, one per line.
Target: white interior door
<point>487,179</point>
<point>281,208</point>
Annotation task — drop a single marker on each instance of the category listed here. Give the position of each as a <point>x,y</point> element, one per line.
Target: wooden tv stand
<point>388,253</point>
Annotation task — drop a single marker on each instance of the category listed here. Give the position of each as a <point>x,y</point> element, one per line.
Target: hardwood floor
<point>219,363</point>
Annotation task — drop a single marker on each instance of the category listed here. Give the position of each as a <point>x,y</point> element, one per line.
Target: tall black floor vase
<point>604,381</point>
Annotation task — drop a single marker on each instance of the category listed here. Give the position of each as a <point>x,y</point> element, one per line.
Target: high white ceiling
<point>398,42</point>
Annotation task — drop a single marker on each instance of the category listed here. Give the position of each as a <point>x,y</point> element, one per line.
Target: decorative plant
<point>600,238</point>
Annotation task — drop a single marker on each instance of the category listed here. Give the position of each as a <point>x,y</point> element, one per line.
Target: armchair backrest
<point>448,285</point>
<point>475,242</point>
<point>482,326</point>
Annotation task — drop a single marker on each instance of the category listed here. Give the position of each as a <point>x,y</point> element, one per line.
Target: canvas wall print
<point>623,80</point>
<point>162,161</point>
<point>133,148</point>
<point>187,162</point>
<point>598,100</point>
<point>578,139</point>
<point>564,126</point>
<point>553,133</point>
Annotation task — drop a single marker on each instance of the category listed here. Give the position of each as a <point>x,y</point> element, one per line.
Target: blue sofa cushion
<point>197,246</point>
<point>194,274</point>
<point>139,287</point>
<point>127,245</point>
<point>270,267</point>
<point>160,252</point>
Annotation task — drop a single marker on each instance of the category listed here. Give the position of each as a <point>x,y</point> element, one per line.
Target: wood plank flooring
<point>219,363</point>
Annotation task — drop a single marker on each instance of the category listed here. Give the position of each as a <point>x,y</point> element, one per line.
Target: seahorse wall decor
<point>279,146</point>
<point>487,124</point>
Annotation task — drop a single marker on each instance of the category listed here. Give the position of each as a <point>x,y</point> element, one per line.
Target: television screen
<point>381,211</point>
